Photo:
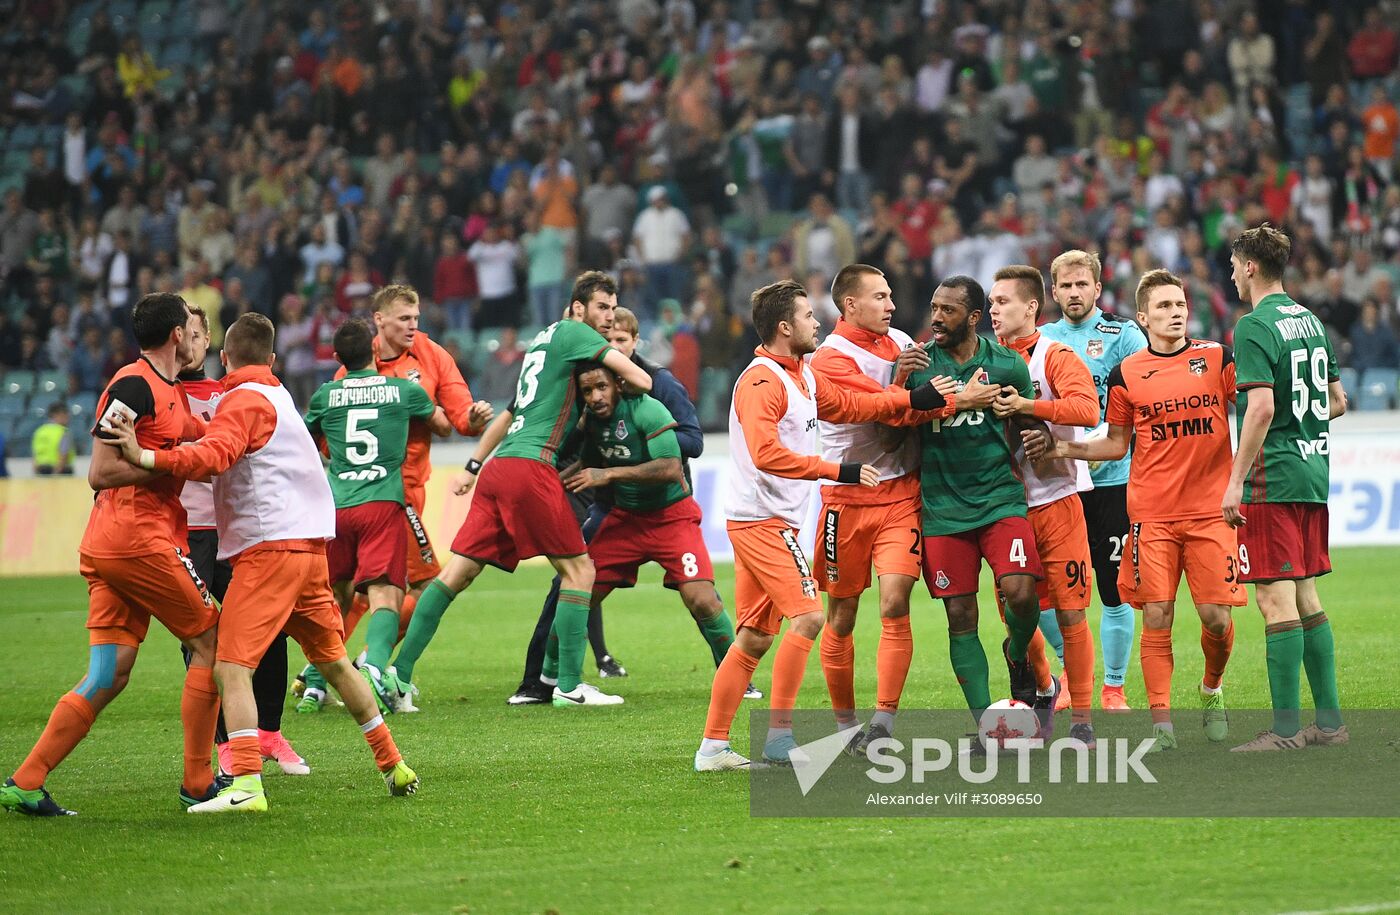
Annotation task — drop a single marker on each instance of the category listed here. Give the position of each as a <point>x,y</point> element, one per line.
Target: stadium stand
<point>285,158</point>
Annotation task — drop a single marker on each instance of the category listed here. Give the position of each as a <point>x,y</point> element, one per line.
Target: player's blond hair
<point>1155,279</point>
<point>625,321</point>
<point>385,298</point>
<point>1075,258</point>
<point>198,312</point>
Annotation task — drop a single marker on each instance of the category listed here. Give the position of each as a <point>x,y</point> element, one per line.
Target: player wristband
<point>850,472</point>
<point>926,397</point>
<point>148,459</point>
<point>473,466</point>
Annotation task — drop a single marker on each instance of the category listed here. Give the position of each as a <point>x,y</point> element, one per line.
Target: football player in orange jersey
<point>1172,398</point>
<point>133,557</point>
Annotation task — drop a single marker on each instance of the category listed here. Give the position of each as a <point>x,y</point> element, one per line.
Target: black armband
<point>850,472</point>
<point>473,466</point>
<point>926,397</point>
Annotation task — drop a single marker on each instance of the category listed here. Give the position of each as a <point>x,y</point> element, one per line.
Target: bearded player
<point>1169,403</point>
<point>1103,341</point>
<point>974,504</point>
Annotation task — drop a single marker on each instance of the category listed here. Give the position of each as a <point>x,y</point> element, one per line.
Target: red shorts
<point>670,537</point>
<point>124,593</point>
<point>1158,552</point>
<point>1062,540</point>
<point>772,579</point>
<point>422,561</point>
<point>852,538</point>
<point>519,510</point>
<point>1283,540</point>
<point>275,590</point>
<point>369,545</point>
<point>953,562</point>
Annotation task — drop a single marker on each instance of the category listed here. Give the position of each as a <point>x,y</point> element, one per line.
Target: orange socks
<point>69,723</point>
<point>406,613</point>
<point>732,677</point>
<point>1156,655</point>
<point>358,608</point>
<point>1079,664</point>
<point>1217,649</point>
<point>788,669</point>
<point>1040,663</point>
<point>247,756</point>
<point>892,661</point>
<point>199,713</point>
<point>386,753</point>
<point>839,665</point>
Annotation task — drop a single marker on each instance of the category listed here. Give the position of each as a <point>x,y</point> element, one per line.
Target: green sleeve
<point>1333,372</point>
<point>1256,354</point>
<point>581,343</point>
<point>420,405</point>
<point>651,416</point>
<point>1021,378</point>
<point>315,410</point>
<point>664,445</point>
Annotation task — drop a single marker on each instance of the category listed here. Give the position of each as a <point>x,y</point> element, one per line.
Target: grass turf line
<point>525,810</point>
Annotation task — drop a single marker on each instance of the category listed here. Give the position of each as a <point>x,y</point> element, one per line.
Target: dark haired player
<point>1279,483</point>
<point>133,557</point>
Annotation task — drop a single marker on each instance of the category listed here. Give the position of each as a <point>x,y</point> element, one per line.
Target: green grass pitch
<point>536,809</point>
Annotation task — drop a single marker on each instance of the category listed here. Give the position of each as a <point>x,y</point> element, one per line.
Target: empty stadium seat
<point>13,405</point>
<point>18,381</point>
<point>54,383</point>
<point>1378,389</point>
<point>1350,382</point>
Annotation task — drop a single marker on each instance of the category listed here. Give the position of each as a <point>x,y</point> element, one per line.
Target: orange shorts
<point>124,593</point>
<point>422,561</point>
<point>771,576</point>
<point>1158,551</point>
<point>1062,539</point>
<point>275,590</point>
<point>852,538</point>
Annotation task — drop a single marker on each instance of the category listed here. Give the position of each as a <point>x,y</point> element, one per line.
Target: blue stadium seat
<point>1350,382</point>
<point>12,406</point>
<point>23,137</point>
<point>21,439</point>
<point>51,383</point>
<point>18,381</point>
<point>1378,388</point>
<point>83,406</point>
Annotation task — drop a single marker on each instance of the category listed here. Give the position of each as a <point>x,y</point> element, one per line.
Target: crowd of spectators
<point>287,158</point>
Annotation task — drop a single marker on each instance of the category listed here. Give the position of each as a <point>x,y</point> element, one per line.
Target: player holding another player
<point>519,509</point>
<point>364,418</point>
<point>132,555</point>
<point>1103,341</point>
<point>1169,402</point>
<point>974,504</point>
<point>630,445</point>
<point>1066,400</point>
<point>270,679</point>
<point>1279,484</point>
<point>275,514</point>
<point>775,450</point>
<point>401,350</point>
<point>861,526</point>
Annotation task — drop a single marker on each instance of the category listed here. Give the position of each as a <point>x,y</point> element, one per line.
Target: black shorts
<point>204,552</point>
<point>1106,516</point>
